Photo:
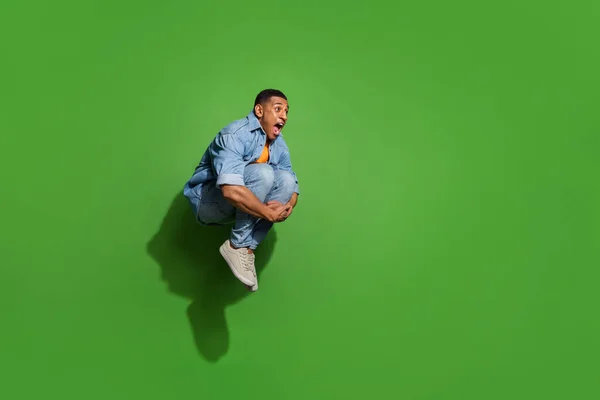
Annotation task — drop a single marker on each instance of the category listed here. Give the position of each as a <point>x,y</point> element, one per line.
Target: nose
<point>283,116</point>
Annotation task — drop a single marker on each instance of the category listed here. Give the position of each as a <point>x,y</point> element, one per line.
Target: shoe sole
<point>233,270</point>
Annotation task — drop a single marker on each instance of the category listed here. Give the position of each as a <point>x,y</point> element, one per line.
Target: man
<point>245,178</point>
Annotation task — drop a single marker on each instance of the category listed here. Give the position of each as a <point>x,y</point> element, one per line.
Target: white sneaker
<point>255,287</point>
<point>240,262</point>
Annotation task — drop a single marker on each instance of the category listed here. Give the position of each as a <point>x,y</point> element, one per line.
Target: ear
<point>258,110</point>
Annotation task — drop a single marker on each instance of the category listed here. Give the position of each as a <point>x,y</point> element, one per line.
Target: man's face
<point>272,116</point>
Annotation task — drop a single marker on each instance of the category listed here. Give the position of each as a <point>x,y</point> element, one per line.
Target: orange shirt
<point>264,156</point>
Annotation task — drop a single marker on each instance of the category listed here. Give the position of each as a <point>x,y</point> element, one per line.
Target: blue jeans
<point>267,184</point>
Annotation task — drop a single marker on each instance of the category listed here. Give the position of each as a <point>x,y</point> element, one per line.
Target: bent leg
<point>259,179</point>
<point>213,208</point>
<point>282,191</point>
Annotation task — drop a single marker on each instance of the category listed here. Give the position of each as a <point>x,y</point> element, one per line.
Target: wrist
<point>269,215</point>
<point>293,200</point>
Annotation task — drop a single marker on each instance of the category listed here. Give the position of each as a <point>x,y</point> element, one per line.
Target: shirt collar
<point>254,122</point>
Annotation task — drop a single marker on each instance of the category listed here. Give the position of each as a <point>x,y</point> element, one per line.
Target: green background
<point>445,244</point>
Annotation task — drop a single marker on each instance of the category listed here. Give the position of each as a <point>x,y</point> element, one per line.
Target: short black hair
<point>266,94</point>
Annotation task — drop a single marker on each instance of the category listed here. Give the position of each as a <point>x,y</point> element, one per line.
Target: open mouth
<point>277,129</point>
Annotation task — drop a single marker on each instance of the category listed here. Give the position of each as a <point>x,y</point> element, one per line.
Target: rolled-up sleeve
<point>226,153</point>
<point>285,164</point>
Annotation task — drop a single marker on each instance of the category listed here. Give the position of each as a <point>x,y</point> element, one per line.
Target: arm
<point>293,200</point>
<point>285,164</point>
<point>242,198</point>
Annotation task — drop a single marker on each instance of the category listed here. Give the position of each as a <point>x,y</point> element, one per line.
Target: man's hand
<point>289,206</point>
<point>243,199</point>
<point>282,211</point>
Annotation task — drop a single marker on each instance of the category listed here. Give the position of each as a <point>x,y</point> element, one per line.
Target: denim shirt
<point>238,144</point>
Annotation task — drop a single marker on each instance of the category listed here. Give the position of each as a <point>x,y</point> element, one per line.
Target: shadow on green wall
<point>192,267</point>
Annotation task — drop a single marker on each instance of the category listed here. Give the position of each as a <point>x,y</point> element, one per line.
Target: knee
<point>261,175</point>
<point>286,181</point>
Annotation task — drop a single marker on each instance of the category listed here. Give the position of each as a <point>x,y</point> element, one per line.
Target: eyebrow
<point>288,107</point>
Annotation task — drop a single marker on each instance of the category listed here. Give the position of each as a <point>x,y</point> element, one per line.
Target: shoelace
<point>248,262</point>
